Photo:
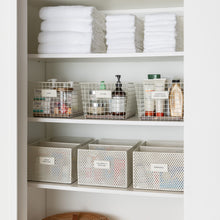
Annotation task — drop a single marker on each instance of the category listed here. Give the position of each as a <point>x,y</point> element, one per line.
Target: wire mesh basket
<point>160,102</point>
<point>106,162</point>
<point>103,104</point>
<point>57,99</point>
<point>159,167</point>
<point>54,159</point>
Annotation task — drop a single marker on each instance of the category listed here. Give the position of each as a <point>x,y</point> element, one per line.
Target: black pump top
<point>118,83</point>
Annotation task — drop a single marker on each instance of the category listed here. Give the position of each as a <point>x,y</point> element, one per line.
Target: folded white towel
<point>70,25</point>
<point>170,28</point>
<point>159,46</point>
<point>156,46</point>
<point>125,45</point>
<point>113,36</point>
<point>121,30</point>
<point>120,18</point>
<point>124,24</point>
<point>123,41</point>
<point>123,50</point>
<point>156,17</point>
<point>160,34</point>
<point>164,42</point>
<point>51,48</point>
<point>158,38</point>
<point>160,23</point>
<point>63,12</point>
<point>160,50</point>
<point>70,37</point>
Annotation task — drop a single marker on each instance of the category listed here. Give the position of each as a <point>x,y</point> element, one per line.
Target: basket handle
<point>75,216</point>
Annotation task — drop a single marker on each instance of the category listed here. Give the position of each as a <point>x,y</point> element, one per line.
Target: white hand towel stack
<point>71,29</point>
<point>160,32</point>
<point>124,34</point>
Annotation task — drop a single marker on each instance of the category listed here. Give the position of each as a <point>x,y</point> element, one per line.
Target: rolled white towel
<point>170,28</point>
<point>69,37</point>
<point>63,12</point>
<point>70,25</point>
<point>157,17</point>
<point>66,48</point>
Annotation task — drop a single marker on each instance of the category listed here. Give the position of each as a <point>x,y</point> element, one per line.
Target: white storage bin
<point>159,166</point>
<point>106,162</point>
<point>54,159</point>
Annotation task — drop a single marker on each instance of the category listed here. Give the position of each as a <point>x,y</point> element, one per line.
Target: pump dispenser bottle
<point>118,99</point>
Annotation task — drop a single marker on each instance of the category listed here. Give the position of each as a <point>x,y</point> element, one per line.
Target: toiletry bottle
<point>118,99</point>
<point>176,99</point>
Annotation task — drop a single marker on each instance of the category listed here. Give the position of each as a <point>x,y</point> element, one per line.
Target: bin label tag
<point>47,160</point>
<point>159,168</point>
<point>103,94</point>
<point>50,93</point>
<point>101,164</point>
<point>160,95</point>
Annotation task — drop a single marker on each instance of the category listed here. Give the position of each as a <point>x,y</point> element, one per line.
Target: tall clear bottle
<point>119,99</point>
<point>176,99</point>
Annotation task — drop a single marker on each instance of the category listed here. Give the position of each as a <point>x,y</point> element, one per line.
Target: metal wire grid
<point>55,161</point>
<point>100,104</point>
<point>146,162</point>
<point>102,164</point>
<point>152,108</point>
<point>57,99</point>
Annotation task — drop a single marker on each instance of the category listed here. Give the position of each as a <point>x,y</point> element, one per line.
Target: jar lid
<point>175,81</point>
<point>97,104</point>
<point>153,76</point>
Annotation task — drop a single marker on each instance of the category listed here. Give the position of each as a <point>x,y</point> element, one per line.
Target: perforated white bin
<point>54,159</point>
<point>159,166</point>
<point>106,162</point>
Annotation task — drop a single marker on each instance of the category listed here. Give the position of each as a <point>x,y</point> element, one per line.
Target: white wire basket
<point>155,103</point>
<point>106,162</point>
<point>57,99</point>
<point>101,104</point>
<point>159,166</point>
<point>54,159</point>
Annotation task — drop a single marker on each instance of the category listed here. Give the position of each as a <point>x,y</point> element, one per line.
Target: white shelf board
<point>134,121</point>
<point>69,57</point>
<point>106,190</point>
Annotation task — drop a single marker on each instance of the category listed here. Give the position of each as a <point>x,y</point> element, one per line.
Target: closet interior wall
<point>42,202</point>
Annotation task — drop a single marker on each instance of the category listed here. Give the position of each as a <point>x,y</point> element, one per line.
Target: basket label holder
<point>101,164</point>
<point>163,168</point>
<point>47,160</point>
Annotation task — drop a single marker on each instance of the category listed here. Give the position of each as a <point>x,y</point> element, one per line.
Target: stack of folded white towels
<point>124,34</point>
<point>160,32</point>
<point>71,29</point>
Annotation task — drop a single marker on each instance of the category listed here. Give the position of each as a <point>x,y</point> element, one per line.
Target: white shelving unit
<point>50,198</point>
<point>105,190</point>
<point>68,57</point>
<point>129,122</point>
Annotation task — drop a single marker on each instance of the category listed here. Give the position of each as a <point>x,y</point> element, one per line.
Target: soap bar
<point>76,216</point>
